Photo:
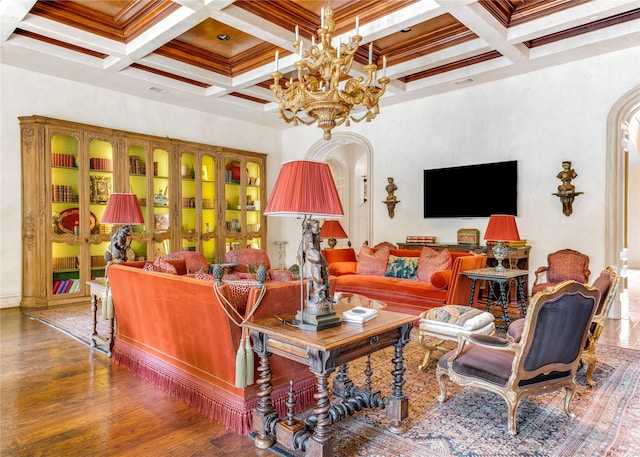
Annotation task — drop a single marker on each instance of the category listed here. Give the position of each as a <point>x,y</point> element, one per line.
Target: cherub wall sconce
<point>391,200</point>
<point>566,190</point>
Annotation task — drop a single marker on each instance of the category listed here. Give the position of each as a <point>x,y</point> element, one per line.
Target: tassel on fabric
<point>241,366</point>
<point>107,306</point>
<point>248,349</point>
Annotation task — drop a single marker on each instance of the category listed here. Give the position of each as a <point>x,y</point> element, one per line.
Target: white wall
<point>539,119</point>
<point>26,93</point>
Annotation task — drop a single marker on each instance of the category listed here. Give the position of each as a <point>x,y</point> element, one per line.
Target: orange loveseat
<point>405,295</point>
<point>172,331</point>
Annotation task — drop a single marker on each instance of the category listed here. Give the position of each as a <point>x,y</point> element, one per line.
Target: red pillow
<point>161,266</point>
<point>342,268</point>
<point>372,263</point>
<point>428,263</point>
<point>441,279</point>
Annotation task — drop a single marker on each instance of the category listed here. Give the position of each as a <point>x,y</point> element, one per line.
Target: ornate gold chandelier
<point>324,91</point>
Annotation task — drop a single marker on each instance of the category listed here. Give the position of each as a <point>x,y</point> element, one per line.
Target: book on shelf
<point>359,314</point>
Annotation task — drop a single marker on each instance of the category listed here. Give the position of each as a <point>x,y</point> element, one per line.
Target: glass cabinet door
<point>161,214</point>
<point>189,214</point>
<point>253,204</point>
<point>138,185</point>
<point>234,203</point>
<point>66,216</point>
<point>208,223</point>
<point>100,163</point>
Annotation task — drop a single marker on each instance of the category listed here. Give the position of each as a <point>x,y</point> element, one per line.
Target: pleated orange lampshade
<point>502,227</point>
<point>122,209</point>
<point>304,188</point>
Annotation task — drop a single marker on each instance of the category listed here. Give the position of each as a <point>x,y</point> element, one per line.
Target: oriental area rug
<point>472,422</point>
<point>75,321</point>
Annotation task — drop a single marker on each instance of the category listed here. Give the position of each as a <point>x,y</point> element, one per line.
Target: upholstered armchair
<point>563,265</point>
<point>248,260</point>
<point>544,360</point>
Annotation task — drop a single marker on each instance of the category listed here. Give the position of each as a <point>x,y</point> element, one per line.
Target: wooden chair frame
<point>598,321</point>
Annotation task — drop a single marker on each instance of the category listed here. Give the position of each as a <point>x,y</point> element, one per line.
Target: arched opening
<point>617,184</point>
<point>349,155</point>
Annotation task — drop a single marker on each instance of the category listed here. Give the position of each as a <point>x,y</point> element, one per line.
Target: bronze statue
<point>391,188</point>
<point>566,175</point>
<point>314,268</point>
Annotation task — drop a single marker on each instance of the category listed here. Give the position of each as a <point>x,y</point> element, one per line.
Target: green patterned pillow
<point>402,267</point>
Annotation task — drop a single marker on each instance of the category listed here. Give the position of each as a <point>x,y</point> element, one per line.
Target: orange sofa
<point>405,295</point>
<point>172,331</point>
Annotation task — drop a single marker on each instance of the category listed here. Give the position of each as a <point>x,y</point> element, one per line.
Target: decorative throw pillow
<point>342,268</point>
<point>160,266</point>
<point>428,264</point>
<point>402,267</point>
<point>204,276</point>
<point>372,263</point>
<point>441,279</point>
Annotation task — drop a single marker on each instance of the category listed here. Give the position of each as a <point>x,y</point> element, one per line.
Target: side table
<point>98,290</point>
<point>492,276</point>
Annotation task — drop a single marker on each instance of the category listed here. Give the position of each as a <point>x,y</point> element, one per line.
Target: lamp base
<point>305,320</point>
<point>500,253</point>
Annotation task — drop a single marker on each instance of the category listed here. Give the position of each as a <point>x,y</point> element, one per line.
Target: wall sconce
<point>567,191</point>
<point>391,200</point>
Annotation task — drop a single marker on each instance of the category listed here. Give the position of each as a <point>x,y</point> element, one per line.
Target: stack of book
<point>66,286</point>
<point>420,239</point>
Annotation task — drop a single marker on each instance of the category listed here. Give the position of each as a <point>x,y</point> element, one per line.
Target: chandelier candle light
<point>319,92</point>
<point>501,228</point>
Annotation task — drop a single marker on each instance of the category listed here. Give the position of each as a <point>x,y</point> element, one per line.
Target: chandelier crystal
<point>324,91</point>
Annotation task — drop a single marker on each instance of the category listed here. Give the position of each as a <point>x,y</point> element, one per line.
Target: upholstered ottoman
<point>447,322</point>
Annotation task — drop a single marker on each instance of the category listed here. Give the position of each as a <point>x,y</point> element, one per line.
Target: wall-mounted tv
<point>471,191</point>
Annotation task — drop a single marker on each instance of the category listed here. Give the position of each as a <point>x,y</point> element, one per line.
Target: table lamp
<point>305,189</point>
<point>332,230</point>
<point>124,210</point>
<point>501,228</point>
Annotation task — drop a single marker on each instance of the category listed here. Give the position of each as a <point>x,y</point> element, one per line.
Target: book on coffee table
<point>359,314</point>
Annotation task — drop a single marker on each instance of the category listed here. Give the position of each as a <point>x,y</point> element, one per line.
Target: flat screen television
<point>471,191</point>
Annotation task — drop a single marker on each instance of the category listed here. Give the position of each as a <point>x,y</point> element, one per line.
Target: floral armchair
<point>563,265</point>
<point>247,261</point>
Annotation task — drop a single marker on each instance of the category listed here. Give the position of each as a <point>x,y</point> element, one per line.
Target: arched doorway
<point>616,217</point>
<point>349,155</point>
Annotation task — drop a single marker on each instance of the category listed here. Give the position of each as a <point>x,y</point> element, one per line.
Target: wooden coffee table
<point>324,352</point>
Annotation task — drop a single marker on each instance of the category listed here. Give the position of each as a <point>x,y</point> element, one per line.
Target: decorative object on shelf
<point>566,190</point>
<point>324,91</point>
<point>100,188</point>
<point>468,236</point>
<point>306,189</point>
<point>501,228</point>
<point>124,210</point>
<point>332,230</point>
<point>391,200</point>
<point>69,219</point>
<point>161,221</point>
<point>161,198</point>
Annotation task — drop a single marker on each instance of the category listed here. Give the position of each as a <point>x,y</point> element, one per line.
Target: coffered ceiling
<point>217,55</point>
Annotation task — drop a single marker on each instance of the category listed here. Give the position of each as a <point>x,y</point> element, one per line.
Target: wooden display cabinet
<point>70,169</point>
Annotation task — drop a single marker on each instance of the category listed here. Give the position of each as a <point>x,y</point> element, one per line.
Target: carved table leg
<point>397,406</point>
<point>94,312</point>
<point>265,416</point>
<point>321,443</point>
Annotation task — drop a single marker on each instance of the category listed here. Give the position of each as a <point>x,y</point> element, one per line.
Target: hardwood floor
<point>60,398</point>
